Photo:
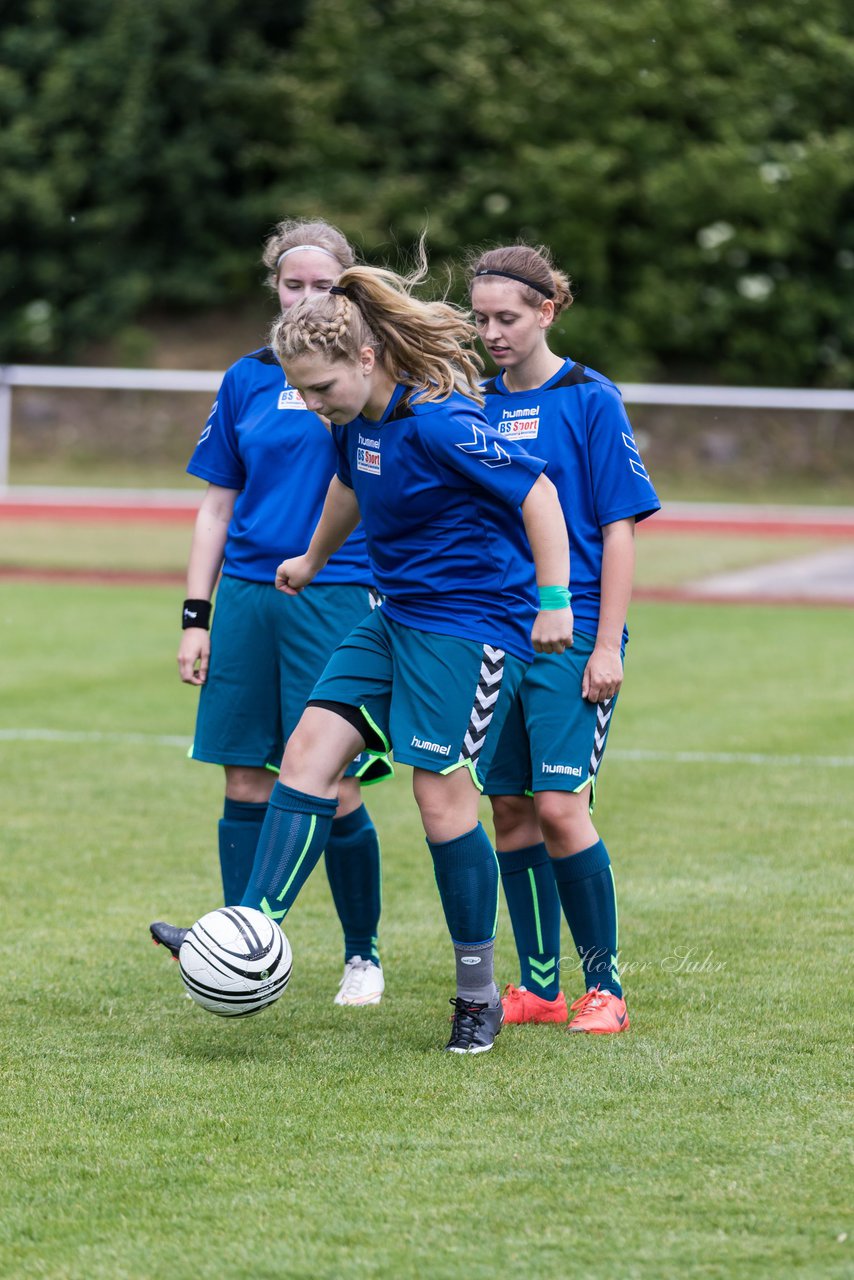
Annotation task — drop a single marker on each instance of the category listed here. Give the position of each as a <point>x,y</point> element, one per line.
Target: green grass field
<point>133,546</point>
<point>141,1137</point>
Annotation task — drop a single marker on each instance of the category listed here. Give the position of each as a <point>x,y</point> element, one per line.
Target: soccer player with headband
<point>542,777</point>
<point>268,461</point>
<point>452,512</point>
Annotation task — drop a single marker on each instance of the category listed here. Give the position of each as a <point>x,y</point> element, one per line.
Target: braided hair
<point>424,344</point>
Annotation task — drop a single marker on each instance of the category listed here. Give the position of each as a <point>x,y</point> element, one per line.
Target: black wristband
<point>196,613</point>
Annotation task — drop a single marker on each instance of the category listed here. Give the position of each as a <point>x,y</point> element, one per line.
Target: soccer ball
<point>235,961</point>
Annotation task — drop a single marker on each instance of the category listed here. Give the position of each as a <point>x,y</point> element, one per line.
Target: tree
<point>134,142</point>
<point>691,165</point>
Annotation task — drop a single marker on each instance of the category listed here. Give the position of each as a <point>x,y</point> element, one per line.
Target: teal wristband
<point>554,597</point>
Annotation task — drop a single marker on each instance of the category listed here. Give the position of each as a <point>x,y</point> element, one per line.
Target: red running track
<point>730,519</point>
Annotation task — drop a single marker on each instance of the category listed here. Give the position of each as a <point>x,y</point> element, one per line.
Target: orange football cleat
<point>600,1013</point>
<point>521,1005</point>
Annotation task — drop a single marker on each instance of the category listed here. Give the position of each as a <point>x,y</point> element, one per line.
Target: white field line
<point>616,753</point>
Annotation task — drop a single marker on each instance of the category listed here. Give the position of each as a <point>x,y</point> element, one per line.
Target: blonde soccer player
<point>461,527</point>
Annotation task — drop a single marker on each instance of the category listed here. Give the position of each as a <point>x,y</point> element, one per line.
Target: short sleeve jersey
<point>261,440</point>
<point>576,421</point>
<point>440,495</point>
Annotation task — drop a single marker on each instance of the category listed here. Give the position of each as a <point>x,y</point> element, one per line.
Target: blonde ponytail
<point>424,344</point>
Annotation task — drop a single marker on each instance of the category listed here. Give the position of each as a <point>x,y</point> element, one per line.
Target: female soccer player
<point>451,512</point>
<point>268,460</point>
<point>543,775</point>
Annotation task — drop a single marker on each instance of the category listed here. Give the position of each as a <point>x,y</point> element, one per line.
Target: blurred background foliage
<point>691,165</point>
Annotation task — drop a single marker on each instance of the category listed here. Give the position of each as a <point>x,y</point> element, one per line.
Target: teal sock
<point>239,828</point>
<point>467,877</point>
<point>355,878</point>
<point>585,884</point>
<point>295,831</point>
<point>534,906</point>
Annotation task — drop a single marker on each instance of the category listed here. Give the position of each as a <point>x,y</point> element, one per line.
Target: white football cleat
<point>363,983</point>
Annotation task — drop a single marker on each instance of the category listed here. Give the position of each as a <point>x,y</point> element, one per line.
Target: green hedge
<point>691,165</point>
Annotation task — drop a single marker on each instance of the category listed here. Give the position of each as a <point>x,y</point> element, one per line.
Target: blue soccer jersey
<point>261,439</point>
<point>440,492</point>
<point>576,421</point>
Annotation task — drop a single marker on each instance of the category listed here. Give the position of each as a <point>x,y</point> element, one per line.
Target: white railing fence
<point>651,393</point>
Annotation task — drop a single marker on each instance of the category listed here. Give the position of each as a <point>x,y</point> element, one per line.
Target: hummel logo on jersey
<point>368,455</point>
<point>291,399</point>
<point>570,771</point>
<point>520,424</point>
<point>489,452</point>
<point>635,462</point>
<point>423,745</point>
<point>209,424</point>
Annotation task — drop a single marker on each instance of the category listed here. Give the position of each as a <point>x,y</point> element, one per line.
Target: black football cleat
<point>168,935</point>
<point>475,1026</point>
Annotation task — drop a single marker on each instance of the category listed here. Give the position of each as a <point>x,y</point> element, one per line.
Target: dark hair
<point>531,263</point>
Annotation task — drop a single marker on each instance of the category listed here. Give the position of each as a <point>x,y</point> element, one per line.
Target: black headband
<point>337,289</point>
<point>511,275</point>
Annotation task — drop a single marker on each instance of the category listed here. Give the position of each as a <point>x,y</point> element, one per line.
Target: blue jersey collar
<point>562,371</point>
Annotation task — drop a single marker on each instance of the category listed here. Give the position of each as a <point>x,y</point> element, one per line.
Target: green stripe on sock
<point>616,913</point>
<point>615,972</point>
<point>536,903</point>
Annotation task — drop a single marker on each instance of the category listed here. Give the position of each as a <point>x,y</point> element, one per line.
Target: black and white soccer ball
<point>235,961</point>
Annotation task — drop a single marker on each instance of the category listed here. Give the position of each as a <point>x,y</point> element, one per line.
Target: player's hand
<point>603,674</point>
<point>194,655</point>
<point>294,574</point>
<point>552,632</point>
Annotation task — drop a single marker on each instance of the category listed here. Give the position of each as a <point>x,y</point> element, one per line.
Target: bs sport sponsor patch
<point>290,398</point>
<point>520,424</point>
<point>368,455</point>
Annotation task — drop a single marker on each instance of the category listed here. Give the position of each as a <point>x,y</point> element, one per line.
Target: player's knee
<point>349,797</point>
<point>248,785</point>
<point>447,803</point>
<point>514,821</point>
<point>564,816</point>
<point>428,797</point>
<point>303,756</point>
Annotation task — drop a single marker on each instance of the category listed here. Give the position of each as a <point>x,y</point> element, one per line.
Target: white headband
<point>316,248</point>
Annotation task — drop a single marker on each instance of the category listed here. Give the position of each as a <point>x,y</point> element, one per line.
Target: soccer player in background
<point>451,513</point>
<point>542,777</point>
<point>268,461</point>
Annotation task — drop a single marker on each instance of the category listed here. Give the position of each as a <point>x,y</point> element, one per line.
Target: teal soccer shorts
<point>268,650</point>
<point>437,701</point>
<point>552,739</point>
